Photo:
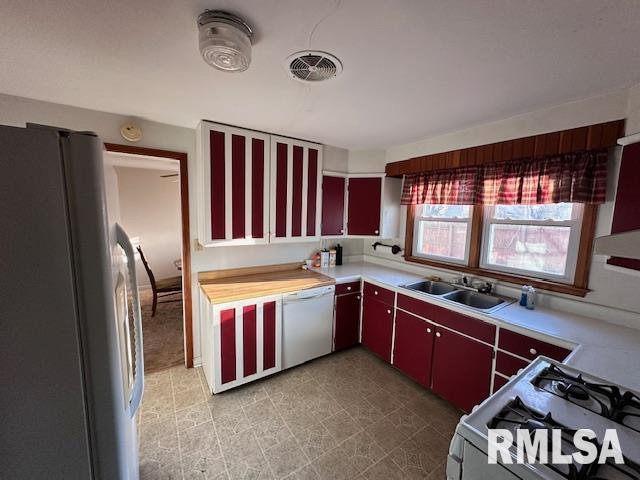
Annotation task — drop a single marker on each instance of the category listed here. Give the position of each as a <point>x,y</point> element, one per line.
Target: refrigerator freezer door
<point>44,428</point>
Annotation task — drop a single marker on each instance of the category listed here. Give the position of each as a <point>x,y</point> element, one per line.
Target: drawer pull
<point>428,330</point>
<point>533,351</point>
<point>438,334</point>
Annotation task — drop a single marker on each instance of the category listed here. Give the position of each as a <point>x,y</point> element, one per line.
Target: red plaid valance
<point>576,178</point>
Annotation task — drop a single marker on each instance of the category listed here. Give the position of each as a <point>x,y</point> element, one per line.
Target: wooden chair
<point>161,288</point>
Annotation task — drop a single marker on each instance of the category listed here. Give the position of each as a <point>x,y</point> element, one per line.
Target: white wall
<point>150,210</point>
<point>367,161</point>
<point>633,111</point>
<point>614,295</point>
<point>18,111</point>
<point>599,109</point>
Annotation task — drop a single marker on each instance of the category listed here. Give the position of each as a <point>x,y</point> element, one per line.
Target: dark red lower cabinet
<point>498,382</point>
<point>413,347</point>
<point>347,326</point>
<point>461,370</point>
<point>377,327</point>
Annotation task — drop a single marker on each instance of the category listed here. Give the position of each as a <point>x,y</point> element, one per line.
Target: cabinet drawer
<point>350,287</point>
<point>509,365</point>
<point>379,293</point>
<point>454,320</point>
<point>530,348</point>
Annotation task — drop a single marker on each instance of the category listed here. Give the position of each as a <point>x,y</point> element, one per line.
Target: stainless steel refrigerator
<point>71,366</point>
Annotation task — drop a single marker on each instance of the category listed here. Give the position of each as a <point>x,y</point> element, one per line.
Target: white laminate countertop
<point>604,349</point>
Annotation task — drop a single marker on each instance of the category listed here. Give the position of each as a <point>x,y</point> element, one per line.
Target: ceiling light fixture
<point>224,40</point>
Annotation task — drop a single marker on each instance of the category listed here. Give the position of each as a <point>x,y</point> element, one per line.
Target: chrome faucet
<point>465,283</point>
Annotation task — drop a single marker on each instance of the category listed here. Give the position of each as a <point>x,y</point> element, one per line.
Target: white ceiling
<point>412,68</point>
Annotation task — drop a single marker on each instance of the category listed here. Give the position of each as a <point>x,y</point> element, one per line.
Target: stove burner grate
<point>517,414</point>
<point>598,398</point>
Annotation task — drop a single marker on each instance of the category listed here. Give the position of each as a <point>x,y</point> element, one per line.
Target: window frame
<point>575,223</point>
<point>438,258</point>
<point>579,286</point>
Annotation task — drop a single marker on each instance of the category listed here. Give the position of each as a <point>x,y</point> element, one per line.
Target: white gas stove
<point>549,395</point>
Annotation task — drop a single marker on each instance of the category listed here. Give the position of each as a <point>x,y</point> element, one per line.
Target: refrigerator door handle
<point>138,381</point>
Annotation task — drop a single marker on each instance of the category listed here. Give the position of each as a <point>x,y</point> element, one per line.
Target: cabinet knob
<point>348,288</point>
<point>438,334</point>
<point>533,351</point>
<point>428,330</point>
<point>376,232</point>
<point>389,312</point>
<point>375,292</point>
<point>342,230</point>
<point>358,297</point>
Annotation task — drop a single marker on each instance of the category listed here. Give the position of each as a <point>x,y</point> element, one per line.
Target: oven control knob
<point>533,351</point>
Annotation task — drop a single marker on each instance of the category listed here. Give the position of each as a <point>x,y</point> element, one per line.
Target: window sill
<point>540,284</point>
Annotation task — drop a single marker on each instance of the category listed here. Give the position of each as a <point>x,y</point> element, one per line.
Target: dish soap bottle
<point>523,295</point>
<point>531,298</point>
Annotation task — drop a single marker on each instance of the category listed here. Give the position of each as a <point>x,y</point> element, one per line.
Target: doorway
<point>154,209</point>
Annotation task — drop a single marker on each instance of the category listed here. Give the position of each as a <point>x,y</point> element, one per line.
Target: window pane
<point>445,211</point>
<point>552,211</point>
<point>443,239</point>
<point>529,247</point>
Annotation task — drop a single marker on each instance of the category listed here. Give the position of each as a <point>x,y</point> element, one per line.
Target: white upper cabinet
<point>256,188</point>
<point>296,190</point>
<point>234,178</point>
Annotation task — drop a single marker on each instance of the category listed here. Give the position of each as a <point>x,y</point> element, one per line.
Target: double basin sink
<point>478,301</point>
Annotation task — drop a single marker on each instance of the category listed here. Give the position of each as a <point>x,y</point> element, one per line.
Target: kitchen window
<point>534,240</point>
<point>442,232</point>
<point>547,246</point>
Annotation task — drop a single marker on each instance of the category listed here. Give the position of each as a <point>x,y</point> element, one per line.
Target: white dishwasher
<point>307,325</point>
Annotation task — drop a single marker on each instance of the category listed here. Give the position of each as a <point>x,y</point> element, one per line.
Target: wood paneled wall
<point>593,137</point>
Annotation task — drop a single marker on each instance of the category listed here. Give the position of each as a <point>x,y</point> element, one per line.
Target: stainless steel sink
<point>432,288</point>
<point>480,301</point>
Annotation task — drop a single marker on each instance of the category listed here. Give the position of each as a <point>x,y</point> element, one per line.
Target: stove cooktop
<point>548,394</point>
<point>518,415</point>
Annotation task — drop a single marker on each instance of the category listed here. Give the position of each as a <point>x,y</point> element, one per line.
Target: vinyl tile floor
<point>344,416</point>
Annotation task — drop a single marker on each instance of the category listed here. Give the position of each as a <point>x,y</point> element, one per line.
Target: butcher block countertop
<point>222,286</point>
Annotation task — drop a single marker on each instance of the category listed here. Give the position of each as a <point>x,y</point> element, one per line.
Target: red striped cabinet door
<point>244,342</point>
<point>235,196</point>
<point>296,189</point>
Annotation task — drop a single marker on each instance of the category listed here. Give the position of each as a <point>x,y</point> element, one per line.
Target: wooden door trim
<point>186,234</point>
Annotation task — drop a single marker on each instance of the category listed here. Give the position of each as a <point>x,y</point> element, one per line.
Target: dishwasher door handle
<point>296,298</point>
